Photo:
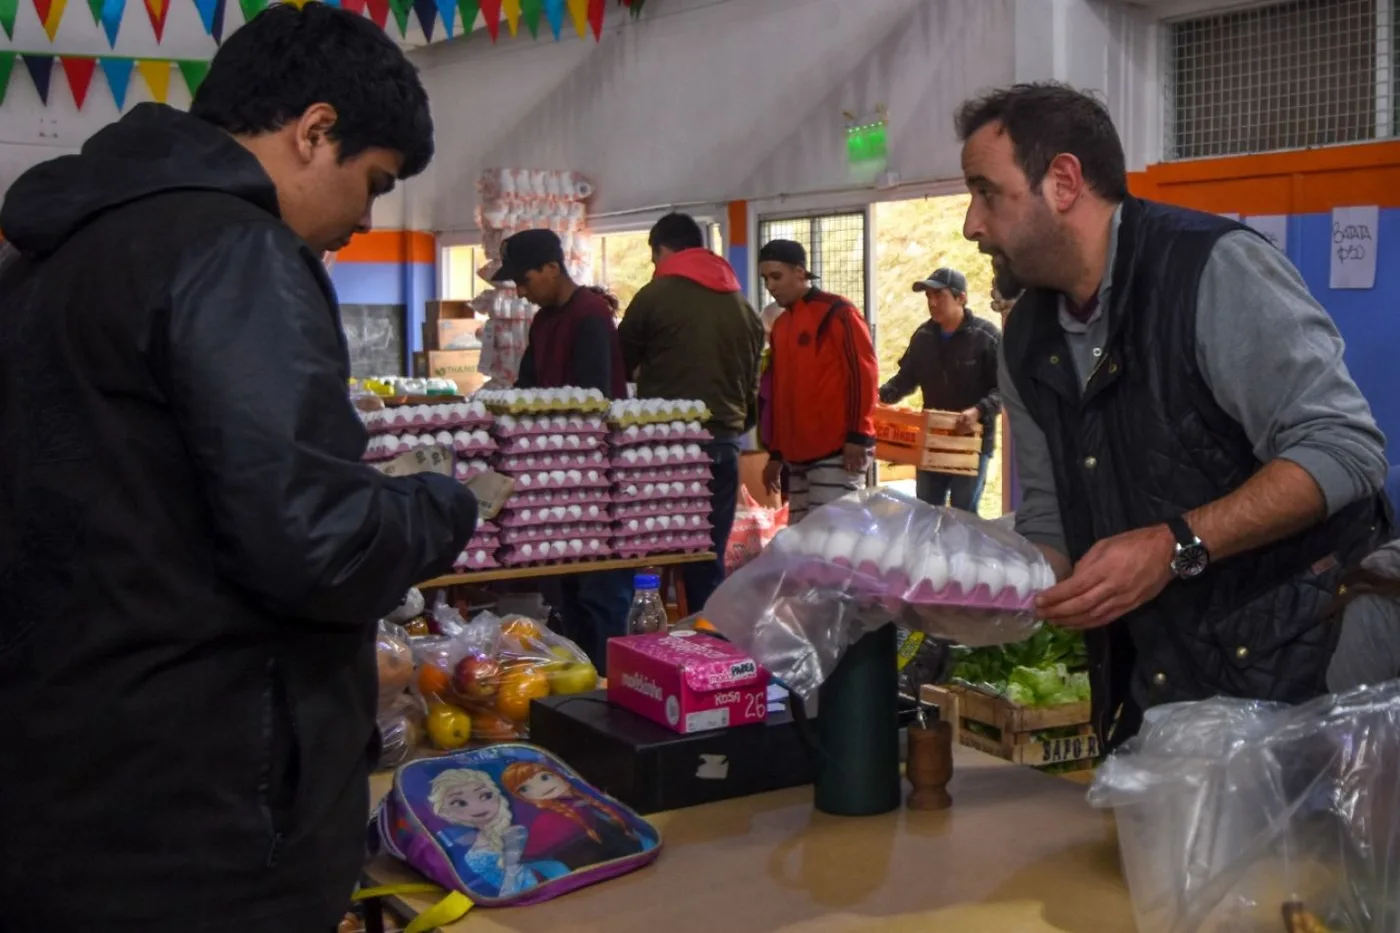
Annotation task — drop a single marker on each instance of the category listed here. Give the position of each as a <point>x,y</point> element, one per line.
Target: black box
<point>651,768</point>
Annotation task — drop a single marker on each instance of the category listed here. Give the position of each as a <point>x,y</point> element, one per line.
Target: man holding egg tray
<point>1196,462</point>
<point>193,555</point>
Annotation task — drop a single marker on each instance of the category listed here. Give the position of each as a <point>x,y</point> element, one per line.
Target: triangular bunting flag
<point>50,14</point>
<point>554,12</point>
<point>354,6</point>
<point>156,74</point>
<point>95,6</point>
<point>251,8</point>
<point>400,9</point>
<point>211,14</point>
<point>491,13</point>
<point>426,11</point>
<point>110,16</point>
<point>596,11</point>
<point>8,9</point>
<point>40,70</point>
<point>378,11</point>
<point>447,12</point>
<point>117,71</point>
<point>158,10</point>
<point>510,9</point>
<point>467,10</point>
<point>7,66</point>
<point>530,11</point>
<point>578,9</point>
<point>193,72</point>
<point>78,71</point>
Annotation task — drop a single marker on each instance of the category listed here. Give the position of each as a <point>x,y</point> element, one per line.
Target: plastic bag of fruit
<point>395,664</point>
<point>480,677</point>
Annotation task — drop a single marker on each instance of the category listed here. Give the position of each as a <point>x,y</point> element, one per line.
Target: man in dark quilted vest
<point>1195,460</point>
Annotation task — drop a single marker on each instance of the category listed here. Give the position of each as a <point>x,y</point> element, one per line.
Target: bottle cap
<point>647,581</point>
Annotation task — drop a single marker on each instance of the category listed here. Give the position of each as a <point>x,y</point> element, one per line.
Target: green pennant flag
<point>193,72</point>
<point>468,9</point>
<point>7,65</point>
<point>530,11</point>
<point>401,9</point>
<point>251,8</point>
<point>8,9</point>
<point>96,7</point>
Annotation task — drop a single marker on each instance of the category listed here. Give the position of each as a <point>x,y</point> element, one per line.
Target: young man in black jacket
<point>952,358</point>
<point>192,555</point>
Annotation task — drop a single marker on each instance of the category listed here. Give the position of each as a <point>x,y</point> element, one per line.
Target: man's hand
<point>1118,575</point>
<point>856,458</point>
<point>968,420</point>
<point>773,477</point>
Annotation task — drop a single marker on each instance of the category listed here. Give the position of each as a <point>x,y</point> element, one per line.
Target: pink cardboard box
<point>686,681</point>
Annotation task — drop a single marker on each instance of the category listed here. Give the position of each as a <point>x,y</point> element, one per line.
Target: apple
<point>572,677</point>
<point>476,676</point>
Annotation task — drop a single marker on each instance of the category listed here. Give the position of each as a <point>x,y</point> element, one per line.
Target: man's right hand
<point>773,477</point>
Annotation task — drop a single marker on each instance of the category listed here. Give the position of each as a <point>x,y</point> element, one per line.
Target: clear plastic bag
<point>395,663</point>
<point>1233,813</point>
<point>852,566</point>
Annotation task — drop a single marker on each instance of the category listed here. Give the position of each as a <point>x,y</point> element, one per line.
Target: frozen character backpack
<point>509,824</point>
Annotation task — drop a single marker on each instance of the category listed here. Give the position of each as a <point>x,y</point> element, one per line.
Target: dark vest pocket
<point>281,772</point>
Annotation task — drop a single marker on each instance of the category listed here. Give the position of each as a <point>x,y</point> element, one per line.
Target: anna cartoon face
<point>544,785</point>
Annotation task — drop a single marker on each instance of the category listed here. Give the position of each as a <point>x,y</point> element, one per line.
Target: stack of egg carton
<point>553,444</point>
<point>464,427</point>
<point>661,477</point>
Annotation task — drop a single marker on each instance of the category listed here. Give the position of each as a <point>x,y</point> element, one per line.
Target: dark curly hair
<point>286,59</point>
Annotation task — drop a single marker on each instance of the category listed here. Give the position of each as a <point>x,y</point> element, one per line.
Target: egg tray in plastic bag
<point>1231,812</point>
<point>872,557</point>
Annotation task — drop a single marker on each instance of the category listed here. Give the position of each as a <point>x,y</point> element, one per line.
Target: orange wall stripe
<point>401,246</point>
<point>1305,181</point>
<point>738,223</point>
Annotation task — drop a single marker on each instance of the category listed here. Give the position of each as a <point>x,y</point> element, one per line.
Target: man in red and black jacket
<point>825,384</point>
<point>573,342</point>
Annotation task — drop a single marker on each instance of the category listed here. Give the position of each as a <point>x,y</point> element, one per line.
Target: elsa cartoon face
<point>545,785</point>
<point>467,798</point>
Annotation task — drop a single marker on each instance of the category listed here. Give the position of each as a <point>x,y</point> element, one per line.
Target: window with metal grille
<point>836,250</point>
<point>1281,76</point>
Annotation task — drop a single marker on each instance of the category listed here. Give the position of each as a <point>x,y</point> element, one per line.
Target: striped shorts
<point>813,485</point>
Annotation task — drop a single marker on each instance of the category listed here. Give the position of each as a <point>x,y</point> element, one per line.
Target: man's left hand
<point>967,420</point>
<point>1118,575</point>
<point>856,458</point>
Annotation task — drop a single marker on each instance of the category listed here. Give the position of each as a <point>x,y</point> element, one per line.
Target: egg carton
<point>692,473</point>
<point>411,418</point>
<point>661,507</point>
<point>562,479</point>
<point>528,463</point>
<point>388,446</point>
<point>630,547</point>
<point>476,558</point>
<point>485,542</point>
<point>543,443</point>
<point>646,455</point>
<point>551,497</point>
<point>533,534</point>
<point>569,550</point>
<point>668,432</point>
<point>488,527</point>
<point>626,412</point>
<point>466,470</point>
<point>512,517</point>
<point>640,491</point>
<point>542,401</point>
<point>573,423</point>
<point>663,524</point>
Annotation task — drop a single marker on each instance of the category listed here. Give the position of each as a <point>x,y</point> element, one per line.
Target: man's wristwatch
<point>1191,558</point>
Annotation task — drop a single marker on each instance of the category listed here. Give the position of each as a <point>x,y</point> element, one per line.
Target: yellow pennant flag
<point>511,9</point>
<point>54,16</point>
<point>157,77</point>
<point>578,9</point>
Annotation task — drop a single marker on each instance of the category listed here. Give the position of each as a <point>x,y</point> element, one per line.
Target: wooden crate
<point>1016,726</point>
<point>927,440</point>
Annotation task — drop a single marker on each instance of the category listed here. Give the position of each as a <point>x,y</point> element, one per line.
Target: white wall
<point>712,101</point>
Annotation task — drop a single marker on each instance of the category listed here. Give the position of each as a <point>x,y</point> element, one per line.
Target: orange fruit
<point>523,629</point>
<point>493,727</point>
<point>518,687</point>
<point>433,681</point>
<point>448,727</point>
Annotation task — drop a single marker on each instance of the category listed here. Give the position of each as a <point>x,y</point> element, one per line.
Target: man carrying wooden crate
<point>952,358</point>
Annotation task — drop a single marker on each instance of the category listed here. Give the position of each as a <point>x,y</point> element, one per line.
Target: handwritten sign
<point>1354,246</point>
<point>1273,227</point>
<point>491,490</point>
<point>423,460</point>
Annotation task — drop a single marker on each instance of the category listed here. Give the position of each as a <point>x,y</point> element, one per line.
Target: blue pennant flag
<point>447,12</point>
<point>117,71</point>
<point>111,17</point>
<point>554,12</point>
<point>211,14</point>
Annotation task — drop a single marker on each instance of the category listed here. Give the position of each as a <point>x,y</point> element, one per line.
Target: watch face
<point>1190,561</point>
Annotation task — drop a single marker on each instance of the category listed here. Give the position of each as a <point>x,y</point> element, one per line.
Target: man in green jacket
<point>691,334</point>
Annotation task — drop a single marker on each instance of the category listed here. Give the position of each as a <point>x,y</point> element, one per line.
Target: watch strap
<point>1185,537</point>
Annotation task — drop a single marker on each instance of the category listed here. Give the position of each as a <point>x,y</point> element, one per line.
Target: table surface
<point>1019,852</point>
<point>561,570</point>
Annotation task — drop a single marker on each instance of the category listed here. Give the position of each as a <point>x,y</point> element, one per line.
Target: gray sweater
<point>1270,355</point>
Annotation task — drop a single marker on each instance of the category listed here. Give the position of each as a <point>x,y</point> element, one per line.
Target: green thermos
<point>857,727</point>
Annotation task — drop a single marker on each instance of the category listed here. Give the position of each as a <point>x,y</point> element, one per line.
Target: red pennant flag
<point>491,12</point>
<point>157,10</point>
<point>78,71</point>
<point>42,8</point>
<point>378,11</point>
<point>354,6</point>
<point>595,17</point>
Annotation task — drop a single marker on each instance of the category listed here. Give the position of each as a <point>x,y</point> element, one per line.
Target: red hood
<point>701,266</point>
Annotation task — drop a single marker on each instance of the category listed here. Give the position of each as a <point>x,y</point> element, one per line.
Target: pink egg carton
<point>669,433</point>
<point>562,479</point>
<point>528,463</point>
<point>658,455</point>
<point>527,534</point>
<point>661,475</point>
<point>466,470</point>
<point>488,542</point>
<point>662,507</point>
<point>867,580</point>
<point>590,496</point>
<point>487,527</point>
<point>479,441</point>
<point>645,545</point>
<point>662,524</point>
<point>530,426</point>
<point>513,517</point>
<point>640,492</point>
<point>476,558</point>
<point>556,552</point>
<point>552,443</point>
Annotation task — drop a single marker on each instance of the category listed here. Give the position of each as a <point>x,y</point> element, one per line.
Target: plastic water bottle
<point>648,614</point>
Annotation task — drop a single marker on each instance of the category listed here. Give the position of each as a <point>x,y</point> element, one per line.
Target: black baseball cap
<point>945,278</point>
<point>789,251</point>
<point>526,250</point>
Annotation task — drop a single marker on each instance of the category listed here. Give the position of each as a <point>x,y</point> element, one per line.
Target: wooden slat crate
<point>927,440</point>
<point>1016,726</point>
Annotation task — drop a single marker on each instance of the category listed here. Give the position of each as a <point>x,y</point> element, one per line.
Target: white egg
<point>631,432</point>
<point>574,512</point>
<point>629,456</point>
<point>575,546</point>
<point>443,437</point>
<point>677,452</point>
<point>526,550</point>
<point>525,480</point>
<point>895,556</point>
<point>462,438</point>
<point>558,477</point>
<point>559,422</point>
<point>962,570</point>
<point>557,548</point>
<point>541,442</point>
<point>591,476</point>
<point>572,441</point>
<point>934,568</point>
<point>525,515</point>
<point>870,549</point>
<point>556,441</point>
<point>663,430</point>
<point>1018,578</point>
<point>1045,575</point>
<point>991,572</point>
<point>692,451</point>
<point>841,545</point>
<point>633,525</point>
<point>592,511</point>
<point>645,455</point>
